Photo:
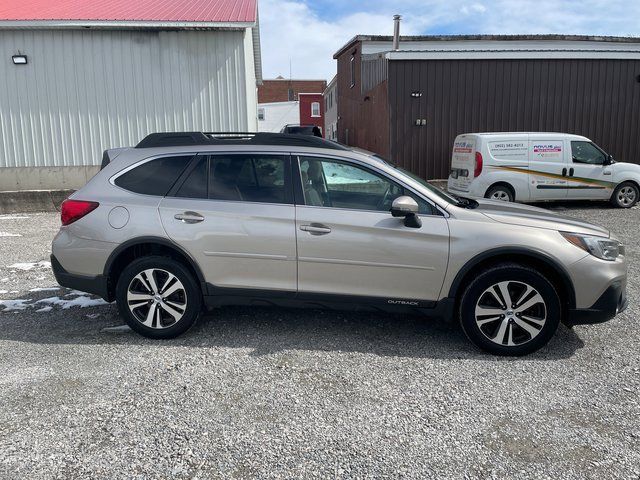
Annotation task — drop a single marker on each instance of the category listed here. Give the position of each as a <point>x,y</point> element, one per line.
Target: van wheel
<point>510,309</point>
<point>158,297</point>
<point>625,195</point>
<point>500,192</point>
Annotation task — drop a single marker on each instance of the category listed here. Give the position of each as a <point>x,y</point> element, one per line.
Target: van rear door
<point>462,163</point>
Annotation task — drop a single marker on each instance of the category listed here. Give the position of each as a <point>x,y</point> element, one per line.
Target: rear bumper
<point>95,285</point>
<point>611,302</point>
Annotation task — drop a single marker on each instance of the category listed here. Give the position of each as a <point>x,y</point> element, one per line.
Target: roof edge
<point>485,37</point>
<point>115,24</point>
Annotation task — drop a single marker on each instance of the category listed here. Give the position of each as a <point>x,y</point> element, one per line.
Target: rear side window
<point>195,185</point>
<point>249,178</point>
<point>154,177</point>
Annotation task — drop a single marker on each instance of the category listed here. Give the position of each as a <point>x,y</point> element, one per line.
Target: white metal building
<point>273,116</point>
<point>80,77</point>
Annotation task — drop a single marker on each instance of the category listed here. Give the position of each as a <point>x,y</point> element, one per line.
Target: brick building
<point>287,90</point>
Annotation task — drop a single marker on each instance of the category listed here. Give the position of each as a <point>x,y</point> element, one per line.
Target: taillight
<point>478,170</point>
<point>72,210</point>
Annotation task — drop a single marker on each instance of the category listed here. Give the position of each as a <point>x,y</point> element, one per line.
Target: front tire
<point>510,309</point>
<point>625,195</point>
<point>158,297</point>
<point>501,193</point>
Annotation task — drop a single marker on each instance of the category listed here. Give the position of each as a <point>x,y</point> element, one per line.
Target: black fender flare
<point>536,255</point>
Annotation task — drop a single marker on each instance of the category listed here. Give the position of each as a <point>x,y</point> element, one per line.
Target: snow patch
<point>3,291</point>
<point>30,265</point>
<point>45,289</point>
<point>15,305</point>
<point>44,309</point>
<point>7,234</point>
<point>13,217</point>
<point>80,301</point>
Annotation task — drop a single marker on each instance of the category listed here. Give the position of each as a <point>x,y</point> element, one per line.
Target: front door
<point>349,244</point>
<point>234,215</point>
<point>589,177</point>
<point>548,169</point>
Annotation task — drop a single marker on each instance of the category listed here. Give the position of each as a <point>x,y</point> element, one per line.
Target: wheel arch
<point>145,246</point>
<point>501,183</point>
<point>542,262</point>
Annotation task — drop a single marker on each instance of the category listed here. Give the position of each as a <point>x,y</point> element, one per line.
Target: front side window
<point>315,109</point>
<point>335,184</point>
<point>154,177</point>
<point>586,152</point>
<point>248,178</point>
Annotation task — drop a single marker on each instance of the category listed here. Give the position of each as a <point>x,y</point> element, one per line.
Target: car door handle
<point>571,172</point>
<point>315,229</point>
<point>607,172</point>
<point>189,217</point>
<point>564,172</point>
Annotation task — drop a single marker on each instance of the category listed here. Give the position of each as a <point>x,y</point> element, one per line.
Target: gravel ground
<point>276,393</point>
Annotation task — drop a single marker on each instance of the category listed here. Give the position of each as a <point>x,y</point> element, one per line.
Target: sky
<point>302,36</point>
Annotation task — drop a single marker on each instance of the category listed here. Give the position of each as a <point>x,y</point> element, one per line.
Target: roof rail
<point>179,139</point>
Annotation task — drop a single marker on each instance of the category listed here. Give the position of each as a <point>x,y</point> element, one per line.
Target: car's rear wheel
<point>501,193</point>
<point>626,195</point>
<point>510,309</point>
<point>158,297</point>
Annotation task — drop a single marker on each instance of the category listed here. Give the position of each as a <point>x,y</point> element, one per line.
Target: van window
<point>154,177</point>
<point>586,152</point>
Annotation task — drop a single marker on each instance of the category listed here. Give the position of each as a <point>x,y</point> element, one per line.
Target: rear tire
<point>625,195</point>
<point>523,323</point>
<point>501,193</point>
<point>158,297</point>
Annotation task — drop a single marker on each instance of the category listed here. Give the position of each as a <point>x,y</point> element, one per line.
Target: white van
<point>533,167</point>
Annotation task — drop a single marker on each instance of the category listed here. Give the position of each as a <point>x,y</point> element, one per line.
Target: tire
<point>500,193</point>
<point>511,331</point>
<point>626,195</point>
<point>178,311</point>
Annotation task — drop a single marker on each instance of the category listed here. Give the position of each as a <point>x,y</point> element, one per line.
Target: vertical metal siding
<point>599,99</point>
<point>87,90</point>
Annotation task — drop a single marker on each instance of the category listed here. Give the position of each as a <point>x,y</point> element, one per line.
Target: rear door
<point>462,163</point>
<point>589,178</point>
<point>548,169</point>
<point>234,215</point>
<point>349,244</point>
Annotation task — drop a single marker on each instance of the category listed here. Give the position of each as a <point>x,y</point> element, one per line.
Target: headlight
<point>603,248</point>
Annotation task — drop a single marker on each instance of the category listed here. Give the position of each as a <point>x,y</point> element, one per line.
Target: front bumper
<point>95,285</point>
<point>611,302</point>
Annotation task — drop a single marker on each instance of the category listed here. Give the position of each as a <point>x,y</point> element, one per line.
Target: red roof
<point>199,11</point>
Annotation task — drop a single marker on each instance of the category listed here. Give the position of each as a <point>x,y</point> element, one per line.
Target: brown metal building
<point>409,104</point>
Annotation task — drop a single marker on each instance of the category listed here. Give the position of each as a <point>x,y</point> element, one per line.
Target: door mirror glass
<point>404,206</point>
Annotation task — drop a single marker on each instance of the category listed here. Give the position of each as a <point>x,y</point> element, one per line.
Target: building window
<point>261,114</point>
<point>315,109</point>
<point>353,70</point>
<point>290,95</point>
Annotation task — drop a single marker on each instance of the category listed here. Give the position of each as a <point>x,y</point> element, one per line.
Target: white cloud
<point>292,31</point>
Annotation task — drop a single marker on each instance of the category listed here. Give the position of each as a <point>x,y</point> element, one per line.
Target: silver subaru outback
<point>186,221</point>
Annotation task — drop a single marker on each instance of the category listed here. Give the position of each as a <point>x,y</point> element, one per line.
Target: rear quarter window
<point>154,177</point>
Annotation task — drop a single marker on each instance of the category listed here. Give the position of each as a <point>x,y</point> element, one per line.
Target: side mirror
<point>608,160</point>
<point>406,207</point>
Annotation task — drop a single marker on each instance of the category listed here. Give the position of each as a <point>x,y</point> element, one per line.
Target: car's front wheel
<point>158,297</point>
<point>510,309</point>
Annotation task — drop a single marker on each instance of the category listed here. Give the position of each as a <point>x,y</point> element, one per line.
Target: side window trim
<point>197,158</point>
<point>299,190</point>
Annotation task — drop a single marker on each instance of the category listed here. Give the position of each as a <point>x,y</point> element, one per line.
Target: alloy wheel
<point>510,313</point>
<point>157,298</point>
<point>626,196</point>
